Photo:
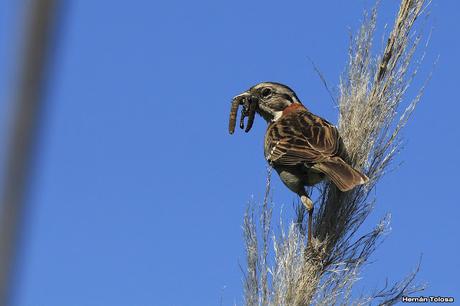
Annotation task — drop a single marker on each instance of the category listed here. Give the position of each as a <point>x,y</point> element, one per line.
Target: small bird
<point>302,147</point>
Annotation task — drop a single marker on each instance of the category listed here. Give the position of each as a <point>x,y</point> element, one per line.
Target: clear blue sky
<point>138,192</point>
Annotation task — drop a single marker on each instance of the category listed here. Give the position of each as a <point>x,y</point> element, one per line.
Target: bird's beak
<point>250,105</point>
<point>243,95</point>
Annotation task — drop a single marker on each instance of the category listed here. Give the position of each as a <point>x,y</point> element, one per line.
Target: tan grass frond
<point>372,92</point>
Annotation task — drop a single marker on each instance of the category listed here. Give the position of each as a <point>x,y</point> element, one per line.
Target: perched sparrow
<point>302,147</point>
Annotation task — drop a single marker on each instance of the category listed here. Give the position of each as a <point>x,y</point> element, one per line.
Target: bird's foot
<point>309,205</point>
<point>307,202</point>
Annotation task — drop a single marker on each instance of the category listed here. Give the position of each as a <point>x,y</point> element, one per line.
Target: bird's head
<point>268,99</point>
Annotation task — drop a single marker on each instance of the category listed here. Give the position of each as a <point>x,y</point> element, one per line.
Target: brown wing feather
<point>301,137</point>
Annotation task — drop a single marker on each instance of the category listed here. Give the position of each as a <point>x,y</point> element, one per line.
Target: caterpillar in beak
<point>248,110</point>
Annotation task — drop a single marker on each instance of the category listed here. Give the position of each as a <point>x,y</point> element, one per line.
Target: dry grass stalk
<point>371,93</point>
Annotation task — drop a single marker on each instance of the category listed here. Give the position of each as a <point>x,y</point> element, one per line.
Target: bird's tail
<point>342,174</point>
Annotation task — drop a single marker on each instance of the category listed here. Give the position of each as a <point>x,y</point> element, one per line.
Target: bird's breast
<point>297,177</point>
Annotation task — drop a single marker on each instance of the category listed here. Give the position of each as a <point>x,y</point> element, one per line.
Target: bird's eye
<point>266,92</point>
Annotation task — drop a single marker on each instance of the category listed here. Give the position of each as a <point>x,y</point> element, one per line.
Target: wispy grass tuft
<point>371,93</point>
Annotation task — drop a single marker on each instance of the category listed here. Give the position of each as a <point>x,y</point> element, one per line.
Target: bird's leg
<point>309,205</point>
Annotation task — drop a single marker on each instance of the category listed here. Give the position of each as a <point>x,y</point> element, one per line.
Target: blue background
<point>138,191</point>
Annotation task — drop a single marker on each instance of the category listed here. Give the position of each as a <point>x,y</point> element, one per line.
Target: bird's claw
<point>307,202</point>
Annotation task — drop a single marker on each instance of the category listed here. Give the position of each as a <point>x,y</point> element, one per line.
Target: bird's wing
<point>300,137</point>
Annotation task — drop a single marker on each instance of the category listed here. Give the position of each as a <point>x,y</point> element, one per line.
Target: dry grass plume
<point>371,92</point>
